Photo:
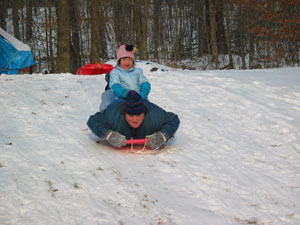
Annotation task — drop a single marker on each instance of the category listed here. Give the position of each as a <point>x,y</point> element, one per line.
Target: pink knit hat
<point>126,51</point>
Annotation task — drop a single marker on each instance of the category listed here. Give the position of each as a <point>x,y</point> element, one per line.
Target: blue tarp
<point>14,55</point>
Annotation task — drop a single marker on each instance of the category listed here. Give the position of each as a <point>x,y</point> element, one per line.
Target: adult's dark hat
<point>134,103</point>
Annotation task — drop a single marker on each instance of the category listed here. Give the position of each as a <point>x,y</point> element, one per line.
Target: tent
<point>14,55</point>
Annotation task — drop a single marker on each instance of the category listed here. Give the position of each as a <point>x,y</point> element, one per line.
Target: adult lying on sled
<point>134,118</point>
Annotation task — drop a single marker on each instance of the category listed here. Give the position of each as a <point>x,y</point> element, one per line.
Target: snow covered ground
<point>234,160</point>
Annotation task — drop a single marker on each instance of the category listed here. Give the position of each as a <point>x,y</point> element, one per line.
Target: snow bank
<point>235,158</point>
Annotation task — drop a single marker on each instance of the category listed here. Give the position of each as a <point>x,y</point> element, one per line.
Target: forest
<point>228,34</point>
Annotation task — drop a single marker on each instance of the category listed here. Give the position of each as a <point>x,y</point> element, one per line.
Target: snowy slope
<point>235,158</point>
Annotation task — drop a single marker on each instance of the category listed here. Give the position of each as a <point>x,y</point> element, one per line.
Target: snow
<point>234,159</point>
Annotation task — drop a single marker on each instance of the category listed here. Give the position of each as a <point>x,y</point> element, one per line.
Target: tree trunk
<point>75,25</point>
<point>251,41</point>
<point>103,45</point>
<point>15,14</point>
<point>29,21</point>
<point>157,29</point>
<point>227,32</point>
<point>138,24</point>
<point>242,36</point>
<point>213,39</point>
<point>144,33</point>
<point>63,37</point>
<point>176,40</point>
<point>199,8</point>
<point>85,37</point>
<point>95,38</point>
<point>3,13</point>
<point>22,22</point>
<point>220,30</point>
<point>131,32</point>
<point>51,52</point>
<point>118,21</point>
<point>47,36</point>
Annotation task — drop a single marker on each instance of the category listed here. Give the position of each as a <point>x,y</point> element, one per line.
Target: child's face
<point>126,63</point>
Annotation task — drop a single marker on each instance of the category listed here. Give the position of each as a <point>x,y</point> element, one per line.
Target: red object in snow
<point>95,69</point>
<point>137,141</point>
<point>25,70</point>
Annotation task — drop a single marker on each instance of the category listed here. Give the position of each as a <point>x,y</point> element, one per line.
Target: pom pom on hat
<point>134,103</point>
<point>130,48</point>
<point>126,51</point>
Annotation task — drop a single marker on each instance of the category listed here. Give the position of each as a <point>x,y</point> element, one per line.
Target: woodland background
<point>66,34</point>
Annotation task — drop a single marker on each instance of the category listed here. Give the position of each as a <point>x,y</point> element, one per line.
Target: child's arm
<point>145,88</point>
<point>114,84</point>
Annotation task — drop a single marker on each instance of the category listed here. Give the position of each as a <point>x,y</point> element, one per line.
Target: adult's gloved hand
<point>115,138</point>
<point>156,140</point>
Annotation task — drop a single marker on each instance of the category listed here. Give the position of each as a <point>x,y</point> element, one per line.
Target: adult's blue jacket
<point>113,118</point>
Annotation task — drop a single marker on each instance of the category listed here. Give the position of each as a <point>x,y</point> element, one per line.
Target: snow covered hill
<point>234,160</point>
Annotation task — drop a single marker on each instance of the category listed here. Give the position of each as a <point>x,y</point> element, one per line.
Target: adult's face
<point>135,120</point>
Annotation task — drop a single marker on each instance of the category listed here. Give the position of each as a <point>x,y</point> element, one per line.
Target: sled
<point>135,146</point>
<point>136,141</point>
<point>95,69</point>
<point>138,146</point>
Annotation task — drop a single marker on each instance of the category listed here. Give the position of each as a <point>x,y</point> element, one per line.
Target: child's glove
<point>156,140</point>
<point>115,138</point>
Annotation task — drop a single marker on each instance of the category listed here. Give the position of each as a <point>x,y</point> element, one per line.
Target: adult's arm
<point>170,124</point>
<point>97,124</point>
<point>160,120</point>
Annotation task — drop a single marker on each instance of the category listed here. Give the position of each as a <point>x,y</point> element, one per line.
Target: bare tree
<point>3,13</point>
<point>28,21</point>
<point>251,18</point>
<point>63,36</point>
<point>242,35</point>
<point>227,32</point>
<point>75,27</point>
<point>95,39</point>
<point>102,30</point>
<point>50,36</point>
<point>164,31</point>
<point>15,13</point>
<point>144,30</point>
<point>199,8</point>
<point>213,39</point>
<point>157,29</point>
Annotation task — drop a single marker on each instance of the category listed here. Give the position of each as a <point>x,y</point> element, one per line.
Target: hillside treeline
<point>65,34</point>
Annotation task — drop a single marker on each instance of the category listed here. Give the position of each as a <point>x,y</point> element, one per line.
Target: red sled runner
<point>136,141</point>
<point>136,146</point>
<point>95,69</point>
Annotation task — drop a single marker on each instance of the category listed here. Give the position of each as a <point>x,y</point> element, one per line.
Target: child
<point>125,77</point>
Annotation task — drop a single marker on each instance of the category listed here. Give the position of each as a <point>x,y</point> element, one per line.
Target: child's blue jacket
<point>122,81</point>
